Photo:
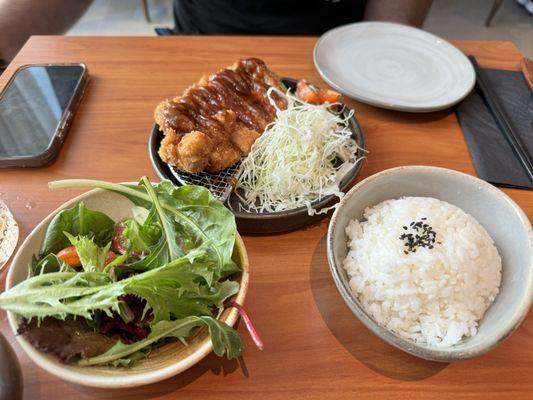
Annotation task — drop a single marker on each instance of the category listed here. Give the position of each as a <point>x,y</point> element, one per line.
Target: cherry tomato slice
<point>306,92</point>
<point>70,256</point>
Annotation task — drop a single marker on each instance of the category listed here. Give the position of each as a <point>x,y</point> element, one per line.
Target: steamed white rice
<point>433,296</point>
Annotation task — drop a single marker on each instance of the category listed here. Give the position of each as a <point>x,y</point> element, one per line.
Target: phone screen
<point>33,105</point>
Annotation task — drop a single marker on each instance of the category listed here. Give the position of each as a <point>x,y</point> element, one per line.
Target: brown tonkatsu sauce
<point>216,121</point>
<point>242,90</point>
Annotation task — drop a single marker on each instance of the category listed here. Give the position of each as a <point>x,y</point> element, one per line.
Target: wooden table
<point>315,347</point>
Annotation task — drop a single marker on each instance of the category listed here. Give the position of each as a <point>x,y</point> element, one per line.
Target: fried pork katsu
<point>216,121</point>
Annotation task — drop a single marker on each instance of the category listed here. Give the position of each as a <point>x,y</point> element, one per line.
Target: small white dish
<point>9,234</point>
<point>393,66</point>
<point>503,219</point>
<point>163,362</point>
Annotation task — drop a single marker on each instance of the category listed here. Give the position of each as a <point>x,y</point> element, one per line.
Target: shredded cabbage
<point>299,159</point>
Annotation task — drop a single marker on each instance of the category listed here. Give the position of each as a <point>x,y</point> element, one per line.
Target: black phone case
<point>47,156</point>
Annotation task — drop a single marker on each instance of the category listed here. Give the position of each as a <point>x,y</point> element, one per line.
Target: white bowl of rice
<point>436,262</point>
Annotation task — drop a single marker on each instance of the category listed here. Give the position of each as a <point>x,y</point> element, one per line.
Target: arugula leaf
<point>130,360</point>
<point>139,238</point>
<point>198,217</point>
<point>220,292</point>
<point>172,291</point>
<point>91,256</point>
<point>140,214</point>
<point>203,302</point>
<point>176,291</point>
<point>169,228</point>
<point>58,294</point>
<point>121,259</point>
<point>156,257</point>
<point>50,263</point>
<point>94,322</point>
<point>217,228</point>
<point>224,338</point>
<point>162,288</point>
<point>78,220</point>
<point>150,230</point>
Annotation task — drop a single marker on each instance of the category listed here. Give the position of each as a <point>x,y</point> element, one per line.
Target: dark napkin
<point>493,157</point>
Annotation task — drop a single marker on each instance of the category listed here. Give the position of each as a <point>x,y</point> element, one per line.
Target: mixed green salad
<point>106,292</point>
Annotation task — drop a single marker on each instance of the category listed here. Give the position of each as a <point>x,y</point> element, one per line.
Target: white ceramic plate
<point>393,66</point>
<point>9,234</point>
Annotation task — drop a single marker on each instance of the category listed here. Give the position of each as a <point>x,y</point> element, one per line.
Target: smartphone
<point>36,109</point>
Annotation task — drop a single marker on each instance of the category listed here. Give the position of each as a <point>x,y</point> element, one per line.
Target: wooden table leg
<point>146,10</point>
<point>495,7</point>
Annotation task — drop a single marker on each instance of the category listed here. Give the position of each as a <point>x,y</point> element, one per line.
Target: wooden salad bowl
<point>164,361</point>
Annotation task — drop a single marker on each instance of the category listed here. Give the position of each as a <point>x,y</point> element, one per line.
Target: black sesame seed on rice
<point>424,236</point>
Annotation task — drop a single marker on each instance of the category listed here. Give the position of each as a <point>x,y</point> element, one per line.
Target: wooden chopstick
<point>501,118</point>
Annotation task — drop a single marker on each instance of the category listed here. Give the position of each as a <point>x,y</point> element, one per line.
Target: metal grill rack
<point>219,184</point>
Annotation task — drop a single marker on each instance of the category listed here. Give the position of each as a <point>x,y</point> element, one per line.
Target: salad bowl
<point>164,361</point>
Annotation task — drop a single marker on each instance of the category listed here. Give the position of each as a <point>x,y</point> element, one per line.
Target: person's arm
<point>19,19</point>
<point>410,12</point>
